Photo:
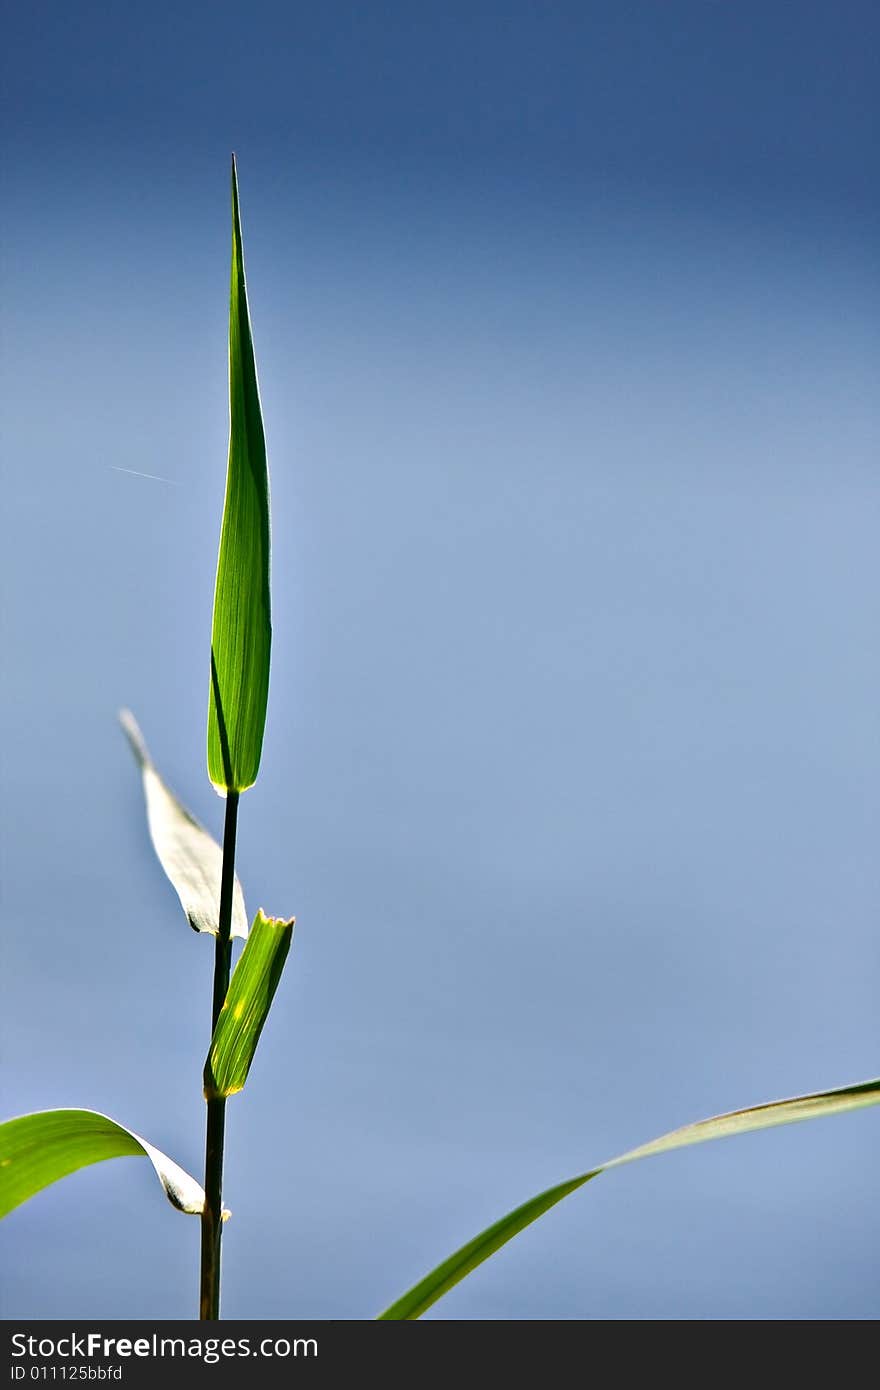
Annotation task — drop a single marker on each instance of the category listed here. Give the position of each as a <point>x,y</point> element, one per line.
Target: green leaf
<point>781,1112</point>
<point>190,856</point>
<point>247,1004</point>
<point>38,1149</point>
<point>242,631</point>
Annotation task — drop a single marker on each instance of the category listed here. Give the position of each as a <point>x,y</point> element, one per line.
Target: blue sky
<point>566,319</point>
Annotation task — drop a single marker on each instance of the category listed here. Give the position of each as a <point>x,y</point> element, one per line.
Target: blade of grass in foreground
<point>191,858</point>
<point>241,634</point>
<point>782,1112</point>
<point>247,1005</point>
<point>38,1149</point>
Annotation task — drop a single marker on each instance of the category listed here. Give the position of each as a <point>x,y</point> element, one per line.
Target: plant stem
<point>212,1216</point>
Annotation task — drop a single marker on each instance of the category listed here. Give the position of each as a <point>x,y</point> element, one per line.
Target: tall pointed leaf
<point>38,1149</point>
<point>781,1112</point>
<point>247,1005</point>
<point>241,633</point>
<point>190,856</point>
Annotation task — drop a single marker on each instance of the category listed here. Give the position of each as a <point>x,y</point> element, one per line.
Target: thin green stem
<point>212,1216</point>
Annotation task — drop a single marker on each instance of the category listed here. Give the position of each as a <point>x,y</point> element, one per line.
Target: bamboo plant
<point>37,1149</point>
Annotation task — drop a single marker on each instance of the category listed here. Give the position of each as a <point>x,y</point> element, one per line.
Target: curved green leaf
<point>242,631</point>
<point>38,1149</point>
<point>781,1112</point>
<point>247,1005</point>
<point>190,856</point>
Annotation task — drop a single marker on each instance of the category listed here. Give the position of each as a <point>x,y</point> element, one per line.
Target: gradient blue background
<point>566,320</point>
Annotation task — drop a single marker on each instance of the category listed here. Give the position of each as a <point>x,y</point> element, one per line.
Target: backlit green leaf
<point>191,857</point>
<point>38,1149</point>
<point>248,1001</point>
<point>242,632</point>
<point>782,1112</point>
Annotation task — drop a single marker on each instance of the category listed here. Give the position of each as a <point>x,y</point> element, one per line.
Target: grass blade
<point>38,1149</point>
<point>782,1112</point>
<point>190,856</point>
<point>242,632</point>
<point>247,1005</point>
